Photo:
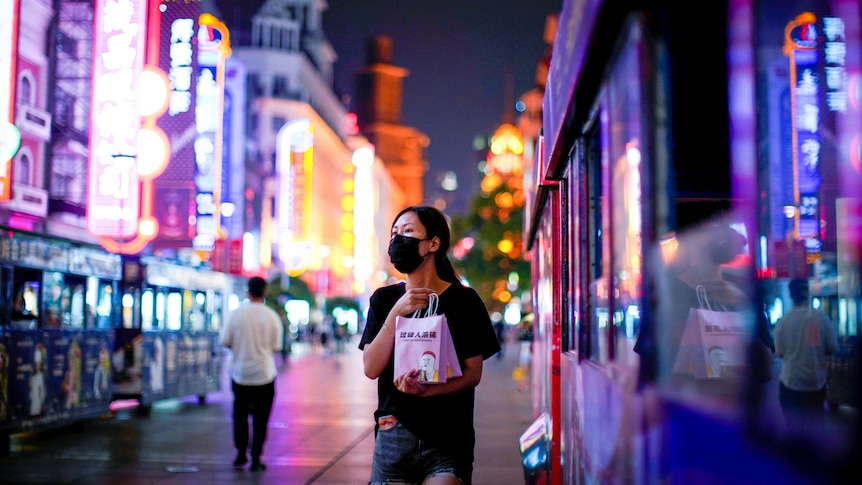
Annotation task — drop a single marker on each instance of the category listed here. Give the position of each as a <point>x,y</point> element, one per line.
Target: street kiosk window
<point>26,288</point>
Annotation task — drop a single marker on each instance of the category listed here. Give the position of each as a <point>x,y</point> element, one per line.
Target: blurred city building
<point>320,212</point>
<point>239,156</point>
<point>155,155</point>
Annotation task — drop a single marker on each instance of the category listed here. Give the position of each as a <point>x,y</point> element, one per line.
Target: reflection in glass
<point>702,273</point>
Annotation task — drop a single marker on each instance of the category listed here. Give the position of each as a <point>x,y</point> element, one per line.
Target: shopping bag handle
<point>702,299</point>
<point>431,309</point>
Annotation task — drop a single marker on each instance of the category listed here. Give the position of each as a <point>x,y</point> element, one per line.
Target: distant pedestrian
<point>285,340</point>
<point>500,330</point>
<point>254,333</point>
<point>424,431</point>
<point>803,339</point>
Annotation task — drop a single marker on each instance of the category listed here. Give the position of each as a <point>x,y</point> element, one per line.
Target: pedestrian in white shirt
<point>254,333</point>
<point>803,339</point>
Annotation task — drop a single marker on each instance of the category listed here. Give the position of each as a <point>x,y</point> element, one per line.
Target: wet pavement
<point>321,432</point>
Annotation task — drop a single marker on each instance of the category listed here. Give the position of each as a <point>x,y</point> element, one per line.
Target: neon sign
<point>9,136</point>
<point>213,49</point>
<point>801,40</point>
<point>294,155</point>
<point>118,58</point>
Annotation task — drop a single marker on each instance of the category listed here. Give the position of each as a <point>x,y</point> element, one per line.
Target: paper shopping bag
<point>424,343</point>
<point>450,357</point>
<point>712,341</point>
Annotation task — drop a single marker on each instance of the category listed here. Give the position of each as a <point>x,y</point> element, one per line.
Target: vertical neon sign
<point>801,48</point>
<point>364,256</point>
<point>177,58</point>
<point>213,49</point>
<point>294,158</point>
<point>118,58</point>
<point>10,139</point>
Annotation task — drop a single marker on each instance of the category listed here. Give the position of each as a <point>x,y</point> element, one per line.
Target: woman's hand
<point>413,299</point>
<point>376,354</point>
<point>724,295</point>
<point>408,383</point>
<point>471,369</point>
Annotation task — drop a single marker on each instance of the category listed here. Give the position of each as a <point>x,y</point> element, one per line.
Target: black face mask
<point>404,253</point>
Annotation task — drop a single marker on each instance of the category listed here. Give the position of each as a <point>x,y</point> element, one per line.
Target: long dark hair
<point>436,225</point>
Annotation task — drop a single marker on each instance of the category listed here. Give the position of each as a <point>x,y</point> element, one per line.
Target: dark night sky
<point>458,53</point>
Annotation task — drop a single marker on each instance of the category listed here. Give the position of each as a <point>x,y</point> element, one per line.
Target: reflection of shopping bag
<point>423,342</point>
<point>713,342</point>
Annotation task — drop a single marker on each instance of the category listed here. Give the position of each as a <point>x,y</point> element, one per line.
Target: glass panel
<point>106,303</point>
<point>174,310</point>
<point>128,302</point>
<point>214,304</point>
<point>597,291</point>
<point>625,224</point>
<point>573,215</point>
<point>161,315</point>
<point>91,297</point>
<point>25,303</point>
<point>147,302</point>
<point>52,298</point>
<point>188,308</point>
<point>5,287</point>
<point>74,313</point>
<point>199,317</point>
<point>809,65</point>
<point>602,287</point>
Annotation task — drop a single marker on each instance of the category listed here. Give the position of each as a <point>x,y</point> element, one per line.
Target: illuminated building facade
<point>378,86</point>
<point>192,169</point>
<point>308,206</point>
<point>25,118</point>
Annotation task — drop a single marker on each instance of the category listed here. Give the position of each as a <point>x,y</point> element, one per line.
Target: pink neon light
<point>113,189</point>
<point>8,54</point>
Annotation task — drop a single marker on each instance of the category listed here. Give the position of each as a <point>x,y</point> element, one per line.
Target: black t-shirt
<point>447,420</point>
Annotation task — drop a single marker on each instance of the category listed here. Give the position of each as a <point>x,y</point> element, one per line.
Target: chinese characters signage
<point>118,44</point>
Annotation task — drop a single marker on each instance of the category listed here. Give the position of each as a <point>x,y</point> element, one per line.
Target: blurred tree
<point>488,248</point>
<point>277,295</point>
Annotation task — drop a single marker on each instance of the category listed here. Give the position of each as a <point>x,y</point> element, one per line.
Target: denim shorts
<point>401,457</point>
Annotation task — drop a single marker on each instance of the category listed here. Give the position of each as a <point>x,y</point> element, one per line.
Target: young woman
<point>424,432</point>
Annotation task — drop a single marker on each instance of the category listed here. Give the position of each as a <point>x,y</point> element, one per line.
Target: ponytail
<point>445,270</point>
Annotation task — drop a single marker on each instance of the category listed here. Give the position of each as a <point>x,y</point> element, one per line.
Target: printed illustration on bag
<point>427,367</point>
<point>712,342</point>
<point>423,343</point>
